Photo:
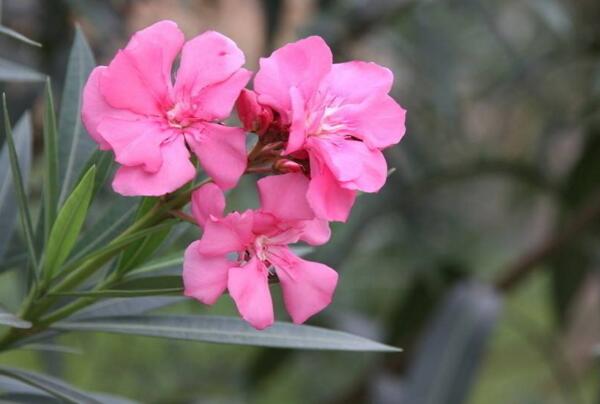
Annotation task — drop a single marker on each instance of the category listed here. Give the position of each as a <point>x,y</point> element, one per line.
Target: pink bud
<point>254,116</point>
<point>287,166</point>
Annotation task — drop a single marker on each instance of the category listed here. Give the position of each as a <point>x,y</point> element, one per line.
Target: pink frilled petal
<point>284,196</point>
<point>254,116</point>
<point>229,234</point>
<point>139,77</point>
<point>94,108</point>
<point>378,121</point>
<point>249,288</point>
<point>307,286</point>
<point>221,151</point>
<point>135,142</point>
<point>208,202</point>
<point>301,64</point>
<point>325,196</point>
<point>315,232</point>
<point>204,277</point>
<point>216,101</point>
<point>208,59</point>
<point>352,163</point>
<point>175,171</point>
<point>354,82</point>
<point>265,223</point>
<point>298,124</point>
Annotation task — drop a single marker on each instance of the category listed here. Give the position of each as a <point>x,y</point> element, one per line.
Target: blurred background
<point>480,258</point>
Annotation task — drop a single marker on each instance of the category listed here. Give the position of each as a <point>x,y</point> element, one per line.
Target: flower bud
<point>254,116</point>
<point>287,166</point>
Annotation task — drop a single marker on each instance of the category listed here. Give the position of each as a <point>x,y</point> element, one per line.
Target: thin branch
<point>527,264</point>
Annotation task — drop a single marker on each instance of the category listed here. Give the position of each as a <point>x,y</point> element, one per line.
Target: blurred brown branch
<point>527,264</point>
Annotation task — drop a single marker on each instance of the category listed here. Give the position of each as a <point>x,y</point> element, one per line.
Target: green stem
<point>39,301</point>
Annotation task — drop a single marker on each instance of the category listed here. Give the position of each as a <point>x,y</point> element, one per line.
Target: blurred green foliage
<point>500,155</point>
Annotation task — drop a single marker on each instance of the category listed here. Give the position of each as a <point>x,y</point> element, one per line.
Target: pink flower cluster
<point>321,128</point>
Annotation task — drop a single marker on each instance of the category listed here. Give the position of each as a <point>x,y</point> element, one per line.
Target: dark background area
<point>480,258</point>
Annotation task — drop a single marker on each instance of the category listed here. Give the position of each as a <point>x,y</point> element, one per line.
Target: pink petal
<point>378,121</point>
<point>301,64</point>
<point>352,163</point>
<point>284,196</point>
<point>265,223</point>
<point>135,142</point>
<point>207,201</point>
<point>298,126</point>
<point>353,82</point>
<point>325,195</point>
<point>94,108</point>
<point>139,77</point>
<point>307,286</point>
<point>175,171</point>
<point>209,58</point>
<point>229,234</point>
<point>221,151</point>
<point>204,278</point>
<point>249,288</point>
<point>316,232</point>
<point>216,101</point>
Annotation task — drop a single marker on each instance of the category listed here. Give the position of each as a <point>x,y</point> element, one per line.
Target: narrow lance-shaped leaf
<point>19,188</point>
<point>11,71</point>
<point>11,320</point>
<point>112,220</point>
<point>227,330</point>
<point>51,385</point>
<point>68,224</point>
<point>107,252</point>
<point>112,307</point>
<point>18,36</point>
<point>453,346</point>
<point>50,162</point>
<point>117,293</point>
<point>138,252</point>
<point>8,197</point>
<point>75,146</point>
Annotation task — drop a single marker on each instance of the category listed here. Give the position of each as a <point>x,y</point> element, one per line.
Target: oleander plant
<point>152,133</point>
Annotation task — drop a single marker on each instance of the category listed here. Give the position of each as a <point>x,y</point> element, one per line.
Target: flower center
<point>181,115</point>
<point>261,245</point>
<point>322,120</point>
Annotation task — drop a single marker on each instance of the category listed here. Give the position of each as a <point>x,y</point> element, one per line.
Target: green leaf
<point>75,145</point>
<point>126,307</point>
<point>11,71</point>
<point>104,162</point>
<point>140,251</point>
<point>453,345</point>
<point>68,224</point>
<point>227,330</point>
<point>109,250</point>
<point>152,282</point>
<point>11,320</point>
<point>51,348</point>
<point>18,36</point>
<point>50,162</point>
<point>110,307</point>
<point>112,293</point>
<point>17,177</point>
<point>8,197</point>
<point>113,220</point>
<point>51,385</point>
<point>159,264</point>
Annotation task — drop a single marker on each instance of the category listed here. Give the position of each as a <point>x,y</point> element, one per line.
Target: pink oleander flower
<point>333,118</point>
<point>133,107</point>
<point>240,252</point>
